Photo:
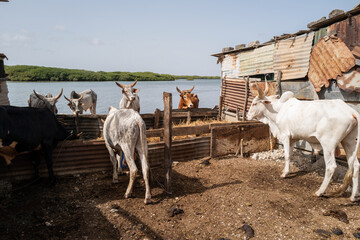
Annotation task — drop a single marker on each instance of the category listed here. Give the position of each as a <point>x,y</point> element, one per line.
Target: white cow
<point>129,100</point>
<point>124,130</point>
<point>83,101</point>
<point>37,100</point>
<point>323,123</point>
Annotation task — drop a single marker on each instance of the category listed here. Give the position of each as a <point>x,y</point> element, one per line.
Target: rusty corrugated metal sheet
<point>256,61</point>
<point>330,57</point>
<point>348,30</point>
<point>292,56</point>
<point>234,93</point>
<point>350,81</point>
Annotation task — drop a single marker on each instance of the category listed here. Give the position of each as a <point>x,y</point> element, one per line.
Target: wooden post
<point>237,112</point>
<point>278,90</point>
<point>157,118</point>
<point>221,100</point>
<point>167,97</point>
<point>188,117</point>
<point>246,98</point>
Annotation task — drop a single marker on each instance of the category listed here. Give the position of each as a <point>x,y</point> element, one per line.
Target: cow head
<point>49,101</point>
<point>258,105</point>
<point>186,98</point>
<point>75,105</point>
<point>129,92</point>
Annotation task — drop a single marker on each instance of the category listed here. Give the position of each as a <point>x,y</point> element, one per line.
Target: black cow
<point>24,129</point>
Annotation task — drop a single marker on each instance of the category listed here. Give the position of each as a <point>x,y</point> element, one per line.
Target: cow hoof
<point>283,175</point>
<point>147,201</point>
<point>115,181</point>
<point>354,199</point>
<point>128,195</point>
<point>318,194</point>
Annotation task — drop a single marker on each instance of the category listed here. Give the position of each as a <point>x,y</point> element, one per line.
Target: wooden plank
<point>167,140</point>
<point>226,140</point>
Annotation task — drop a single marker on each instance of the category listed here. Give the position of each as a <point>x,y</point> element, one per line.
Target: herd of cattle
<point>35,129</point>
<point>323,123</point>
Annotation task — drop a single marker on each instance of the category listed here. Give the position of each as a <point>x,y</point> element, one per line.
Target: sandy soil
<point>216,199</point>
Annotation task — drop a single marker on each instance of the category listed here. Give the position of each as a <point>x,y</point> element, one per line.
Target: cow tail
<point>349,173</point>
<point>143,140</point>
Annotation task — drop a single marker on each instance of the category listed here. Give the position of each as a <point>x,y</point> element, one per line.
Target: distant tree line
<point>36,73</point>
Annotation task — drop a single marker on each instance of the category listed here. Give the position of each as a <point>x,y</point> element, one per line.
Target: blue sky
<point>175,37</point>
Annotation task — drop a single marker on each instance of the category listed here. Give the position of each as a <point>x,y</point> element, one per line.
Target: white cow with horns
<point>129,100</point>
<point>124,130</point>
<point>37,100</point>
<point>323,123</point>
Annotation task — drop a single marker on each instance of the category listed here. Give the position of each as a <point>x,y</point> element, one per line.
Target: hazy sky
<point>175,37</point>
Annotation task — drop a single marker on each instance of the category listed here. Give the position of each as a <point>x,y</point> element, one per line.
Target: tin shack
<point>322,62</point>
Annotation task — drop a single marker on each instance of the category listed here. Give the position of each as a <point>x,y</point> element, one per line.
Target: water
<point>109,94</point>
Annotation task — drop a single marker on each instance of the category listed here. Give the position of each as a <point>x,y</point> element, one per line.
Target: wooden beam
<point>167,97</point>
<point>157,115</point>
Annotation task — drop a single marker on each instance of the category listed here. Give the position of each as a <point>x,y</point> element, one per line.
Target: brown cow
<point>188,100</point>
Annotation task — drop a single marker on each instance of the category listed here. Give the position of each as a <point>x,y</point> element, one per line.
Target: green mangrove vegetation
<point>36,73</point>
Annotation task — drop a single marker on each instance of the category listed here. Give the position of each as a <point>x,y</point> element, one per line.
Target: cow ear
<point>267,102</point>
<point>69,104</point>
<point>135,90</point>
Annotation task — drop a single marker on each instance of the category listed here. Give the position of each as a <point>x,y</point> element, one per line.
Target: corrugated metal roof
<point>348,30</point>
<point>292,56</point>
<point>256,61</point>
<point>330,57</point>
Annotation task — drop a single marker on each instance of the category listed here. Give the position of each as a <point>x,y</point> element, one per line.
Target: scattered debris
<point>249,231</point>
<point>339,214</point>
<point>337,231</point>
<point>113,210</point>
<point>323,233</point>
<point>175,211</point>
<point>357,235</point>
<point>205,161</point>
<point>224,238</point>
<point>76,189</point>
<point>48,224</point>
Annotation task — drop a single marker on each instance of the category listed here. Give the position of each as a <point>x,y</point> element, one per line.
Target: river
<point>109,94</point>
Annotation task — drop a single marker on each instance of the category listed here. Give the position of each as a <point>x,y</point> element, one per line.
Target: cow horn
<point>67,98</point>
<point>260,91</point>
<point>38,95</point>
<point>133,84</point>
<point>120,85</point>
<point>266,87</point>
<point>190,90</point>
<point>81,97</point>
<point>59,95</point>
<point>178,89</point>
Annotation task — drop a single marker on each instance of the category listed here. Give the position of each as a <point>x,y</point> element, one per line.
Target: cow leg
<point>353,164</point>
<point>129,157</point>
<point>35,157</point>
<point>49,164</point>
<point>330,163</point>
<point>145,170</point>
<point>114,162</point>
<point>288,150</point>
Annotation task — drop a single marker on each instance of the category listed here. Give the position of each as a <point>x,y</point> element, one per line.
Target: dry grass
<point>198,122</point>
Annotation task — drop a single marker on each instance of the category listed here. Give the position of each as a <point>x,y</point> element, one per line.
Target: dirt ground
<point>216,199</point>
